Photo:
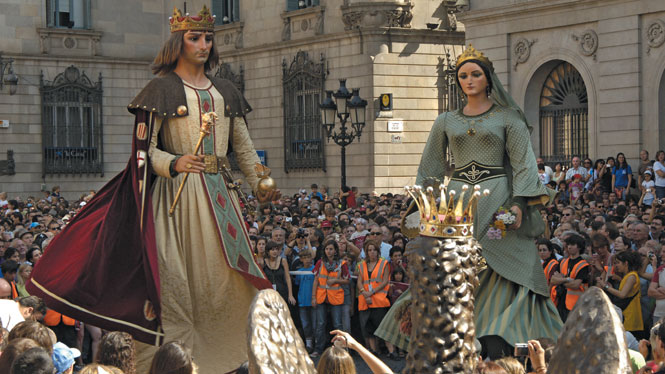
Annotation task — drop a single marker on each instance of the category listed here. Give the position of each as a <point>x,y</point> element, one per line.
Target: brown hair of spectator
<point>33,302</point>
<point>489,368</point>
<point>336,360</point>
<point>375,243</point>
<point>511,365</point>
<point>13,350</point>
<point>4,335</point>
<point>32,330</point>
<point>33,361</point>
<point>117,349</point>
<point>100,369</point>
<point>172,358</point>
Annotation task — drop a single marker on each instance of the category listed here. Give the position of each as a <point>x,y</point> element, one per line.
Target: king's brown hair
<point>167,58</point>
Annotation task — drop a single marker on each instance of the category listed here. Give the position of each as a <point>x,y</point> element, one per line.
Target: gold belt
<point>474,173</point>
<point>214,164</point>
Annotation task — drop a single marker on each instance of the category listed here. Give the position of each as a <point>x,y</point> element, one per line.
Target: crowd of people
<point>337,257</point>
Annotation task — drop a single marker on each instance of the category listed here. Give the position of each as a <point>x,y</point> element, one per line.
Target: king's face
<point>196,47</point>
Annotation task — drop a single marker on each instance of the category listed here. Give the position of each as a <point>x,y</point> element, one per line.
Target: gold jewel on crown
<point>471,53</point>
<point>443,213</point>
<point>204,21</point>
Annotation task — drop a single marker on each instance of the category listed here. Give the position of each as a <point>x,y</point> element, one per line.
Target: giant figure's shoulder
<point>165,96</point>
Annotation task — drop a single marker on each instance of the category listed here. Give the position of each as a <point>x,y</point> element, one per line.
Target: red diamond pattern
<point>206,106</point>
<point>231,230</point>
<point>242,263</point>
<point>221,200</point>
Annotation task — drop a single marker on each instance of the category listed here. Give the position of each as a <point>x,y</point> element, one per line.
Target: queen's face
<point>472,79</point>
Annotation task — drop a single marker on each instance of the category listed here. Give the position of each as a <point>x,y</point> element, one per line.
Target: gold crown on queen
<point>471,53</point>
<point>204,21</point>
<point>443,213</point>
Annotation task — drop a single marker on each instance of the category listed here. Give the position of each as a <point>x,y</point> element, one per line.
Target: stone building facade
<point>282,54</point>
<point>589,73</point>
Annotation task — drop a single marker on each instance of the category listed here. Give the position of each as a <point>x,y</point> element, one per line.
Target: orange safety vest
<point>52,318</point>
<point>379,298</point>
<point>334,293</point>
<point>14,290</point>
<point>548,275</point>
<point>573,294</point>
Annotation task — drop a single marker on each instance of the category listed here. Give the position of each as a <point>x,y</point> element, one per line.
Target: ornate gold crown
<point>472,54</point>
<point>205,21</point>
<point>449,217</point>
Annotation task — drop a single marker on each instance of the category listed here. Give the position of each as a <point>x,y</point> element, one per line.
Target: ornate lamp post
<point>345,105</point>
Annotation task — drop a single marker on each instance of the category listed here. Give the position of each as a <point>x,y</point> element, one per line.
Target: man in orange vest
<point>573,279</point>
<point>9,269</point>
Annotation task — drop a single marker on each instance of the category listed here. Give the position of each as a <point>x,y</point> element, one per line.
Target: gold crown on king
<point>443,213</point>
<point>204,21</point>
<point>471,53</point>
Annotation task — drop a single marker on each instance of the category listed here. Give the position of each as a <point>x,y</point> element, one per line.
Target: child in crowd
<point>307,312</point>
<point>648,187</point>
<point>576,188</point>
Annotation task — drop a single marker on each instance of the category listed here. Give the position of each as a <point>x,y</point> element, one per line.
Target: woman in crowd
<point>597,173</point>
<point>559,174</point>
<point>622,175</point>
<point>659,170</point>
<point>117,349</point>
<point>337,360</point>
<point>564,194</point>
<point>260,250</point>
<point>327,294</point>
<point>550,263</point>
<point>173,358</point>
<point>33,255</point>
<point>276,269</point>
<point>621,243</point>
<point>606,179</point>
<point>11,253</point>
<point>627,296</point>
<point>22,276</point>
<point>373,286</point>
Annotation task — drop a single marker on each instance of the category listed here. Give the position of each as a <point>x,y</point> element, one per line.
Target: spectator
<point>276,269</point>
<point>573,279</point>
<point>606,179</point>
<point>260,250</point>
<point>327,294</point>
<point>648,188</point>
<point>13,350</point>
<point>100,369</point>
<point>64,358</point>
<point>33,361</point>
<point>24,308</point>
<point>375,233</point>
<point>559,174</point>
<point>22,277</point>
<point>548,170</point>
<point>645,164</point>
<point>305,284</point>
<point>550,262</point>
<point>542,174</point>
<point>34,330</point>
<point>373,303</point>
<point>576,169</point>
<point>337,360</point>
<point>315,194</point>
<point>627,297</point>
<point>656,228</point>
<point>172,358</point>
<point>622,176</point>
<point>117,349</point>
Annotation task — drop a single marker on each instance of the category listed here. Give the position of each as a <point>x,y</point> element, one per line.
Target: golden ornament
<point>266,183</point>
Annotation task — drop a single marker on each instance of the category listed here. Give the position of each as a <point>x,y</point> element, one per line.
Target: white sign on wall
<point>395,126</point>
<point>4,123</point>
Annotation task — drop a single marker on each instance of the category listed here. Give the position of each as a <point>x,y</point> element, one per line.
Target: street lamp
<point>345,105</point>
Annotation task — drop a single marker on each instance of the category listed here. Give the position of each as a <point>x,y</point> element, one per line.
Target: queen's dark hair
<point>167,58</point>
<point>486,71</point>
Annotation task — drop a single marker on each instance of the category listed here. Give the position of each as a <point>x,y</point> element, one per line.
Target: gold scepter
<point>208,121</point>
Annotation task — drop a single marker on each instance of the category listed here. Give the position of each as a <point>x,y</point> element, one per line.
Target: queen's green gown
<point>512,300</point>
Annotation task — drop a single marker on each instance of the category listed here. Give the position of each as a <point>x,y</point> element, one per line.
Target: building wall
<point>126,35</point>
<point>623,71</point>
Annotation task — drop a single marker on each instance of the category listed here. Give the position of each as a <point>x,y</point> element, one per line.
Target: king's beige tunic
<point>204,302</point>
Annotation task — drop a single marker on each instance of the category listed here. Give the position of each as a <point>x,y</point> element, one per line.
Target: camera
<point>651,255</point>
<point>301,233</point>
<point>521,350</point>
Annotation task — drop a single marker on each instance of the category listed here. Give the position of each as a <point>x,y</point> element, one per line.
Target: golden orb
<point>266,185</point>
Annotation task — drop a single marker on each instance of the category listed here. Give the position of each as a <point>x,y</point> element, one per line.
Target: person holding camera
<point>297,245</point>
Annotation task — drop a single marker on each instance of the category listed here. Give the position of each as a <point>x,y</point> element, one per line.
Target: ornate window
<point>72,14</point>
<point>227,11</point>
<point>303,82</point>
<point>72,124</point>
<point>564,115</point>
<point>300,4</point>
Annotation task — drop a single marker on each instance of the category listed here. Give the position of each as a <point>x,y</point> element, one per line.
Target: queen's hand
<point>518,217</point>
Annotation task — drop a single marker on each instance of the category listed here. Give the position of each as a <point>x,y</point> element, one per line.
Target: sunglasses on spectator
<point>567,214</point>
<point>375,233</point>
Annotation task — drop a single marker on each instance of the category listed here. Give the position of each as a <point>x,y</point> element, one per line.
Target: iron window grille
<point>72,14</point>
<point>226,72</point>
<point>72,129</point>
<point>226,11</point>
<point>564,116</point>
<point>303,83</point>
<point>300,4</point>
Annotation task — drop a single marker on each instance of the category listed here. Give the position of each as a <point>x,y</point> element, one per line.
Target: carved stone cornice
<point>522,51</point>
<point>69,42</point>
<point>588,42</point>
<point>229,36</point>
<point>377,14</point>
<point>303,23</point>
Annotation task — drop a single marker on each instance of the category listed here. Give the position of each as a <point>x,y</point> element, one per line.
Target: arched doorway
<point>564,115</point>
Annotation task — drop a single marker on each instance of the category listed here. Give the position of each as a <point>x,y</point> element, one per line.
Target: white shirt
<point>580,170</point>
<point>10,315</point>
<point>660,181</point>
